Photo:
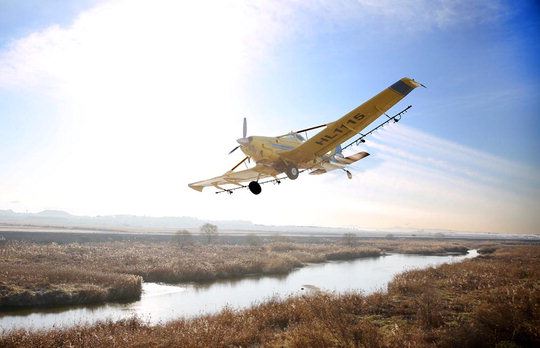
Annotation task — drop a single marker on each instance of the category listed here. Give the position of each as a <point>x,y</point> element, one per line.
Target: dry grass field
<point>489,301</point>
<point>84,273</point>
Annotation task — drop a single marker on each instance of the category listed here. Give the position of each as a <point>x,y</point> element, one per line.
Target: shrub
<point>349,239</point>
<point>183,238</point>
<point>210,232</point>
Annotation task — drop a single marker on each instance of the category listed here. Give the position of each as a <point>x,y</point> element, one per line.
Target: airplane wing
<point>351,124</point>
<point>236,178</point>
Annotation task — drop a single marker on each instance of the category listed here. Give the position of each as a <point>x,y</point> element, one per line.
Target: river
<point>160,303</point>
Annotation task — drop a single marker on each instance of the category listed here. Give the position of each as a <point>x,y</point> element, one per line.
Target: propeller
<point>243,140</point>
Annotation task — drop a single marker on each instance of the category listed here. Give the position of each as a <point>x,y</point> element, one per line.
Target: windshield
<point>295,136</point>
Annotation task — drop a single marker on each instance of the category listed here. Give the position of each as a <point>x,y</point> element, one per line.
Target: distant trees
<point>349,239</point>
<point>439,235</point>
<point>210,232</point>
<point>183,238</point>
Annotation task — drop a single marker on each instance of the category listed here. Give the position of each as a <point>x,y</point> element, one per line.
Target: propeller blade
<point>233,150</point>
<point>244,133</point>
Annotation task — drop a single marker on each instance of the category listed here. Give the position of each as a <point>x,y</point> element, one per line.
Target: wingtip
<point>413,82</point>
<point>196,188</point>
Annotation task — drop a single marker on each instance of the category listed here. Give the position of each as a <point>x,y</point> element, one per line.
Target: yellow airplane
<point>291,153</point>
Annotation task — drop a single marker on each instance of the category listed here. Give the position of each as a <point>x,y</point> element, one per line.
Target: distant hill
<point>60,218</point>
<point>54,214</point>
<point>133,223</point>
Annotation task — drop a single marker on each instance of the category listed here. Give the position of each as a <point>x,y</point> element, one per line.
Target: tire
<point>255,187</point>
<point>292,172</point>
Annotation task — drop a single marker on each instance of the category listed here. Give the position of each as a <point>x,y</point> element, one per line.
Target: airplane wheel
<point>292,172</point>
<point>254,187</point>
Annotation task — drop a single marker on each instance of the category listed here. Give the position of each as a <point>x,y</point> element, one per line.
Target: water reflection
<point>161,302</point>
<point>205,285</point>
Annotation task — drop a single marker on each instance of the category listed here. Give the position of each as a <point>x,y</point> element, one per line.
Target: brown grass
<point>42,285</point>
<point>425,247</point>
<point>483,302</point>
<point>53,275</point>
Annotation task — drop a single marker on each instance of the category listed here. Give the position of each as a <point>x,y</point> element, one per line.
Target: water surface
<point>161,302</point>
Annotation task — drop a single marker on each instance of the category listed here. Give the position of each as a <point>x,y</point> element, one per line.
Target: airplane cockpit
<point>295,136</point>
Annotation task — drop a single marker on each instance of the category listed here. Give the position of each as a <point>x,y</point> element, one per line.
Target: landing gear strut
<point>255,187</point>
<point>292,172</point>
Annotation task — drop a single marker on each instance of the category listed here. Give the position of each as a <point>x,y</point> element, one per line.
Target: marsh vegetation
<point>85,273</point>
<point>53,274</point>
<point>488,301</point>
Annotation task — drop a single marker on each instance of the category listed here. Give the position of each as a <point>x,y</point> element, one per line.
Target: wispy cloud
<point>428,14</point>
<point>448,184</point>
<point>208,28</point>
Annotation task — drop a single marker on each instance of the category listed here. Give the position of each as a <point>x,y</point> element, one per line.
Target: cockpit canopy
<point>294,136</point>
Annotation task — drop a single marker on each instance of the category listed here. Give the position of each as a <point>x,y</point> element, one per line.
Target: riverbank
<point>485,301</point>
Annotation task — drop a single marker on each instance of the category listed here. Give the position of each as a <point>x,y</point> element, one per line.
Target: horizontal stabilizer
<point>352,158</point>
<point>338,162</point>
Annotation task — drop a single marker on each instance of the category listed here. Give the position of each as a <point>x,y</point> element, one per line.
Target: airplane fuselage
<point>267,150</point>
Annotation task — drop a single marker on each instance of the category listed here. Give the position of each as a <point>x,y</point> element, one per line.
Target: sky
<point>114,106</point>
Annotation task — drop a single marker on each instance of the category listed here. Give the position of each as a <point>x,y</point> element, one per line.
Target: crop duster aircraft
<point>291,153</point>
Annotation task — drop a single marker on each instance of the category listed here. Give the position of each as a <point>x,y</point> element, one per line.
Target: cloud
<point>426,181</point>
<point>239,32</point>
<point>430,14</point>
